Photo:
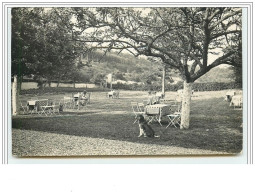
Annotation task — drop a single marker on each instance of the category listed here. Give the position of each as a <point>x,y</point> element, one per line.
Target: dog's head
<point>140,118</point>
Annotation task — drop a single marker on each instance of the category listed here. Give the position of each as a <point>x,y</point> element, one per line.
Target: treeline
<point>174,87</point>
<point>214,86</point>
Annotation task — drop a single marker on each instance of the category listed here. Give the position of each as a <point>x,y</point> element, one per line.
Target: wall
<point>33,85</point>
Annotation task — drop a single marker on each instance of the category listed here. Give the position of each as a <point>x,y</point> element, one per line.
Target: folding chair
<point>44,107</point>
<point>88,97</point>
<point>56,106</point>
<point>117,94</point>
<point>174,119</point>
<point>141,107</point>
<point>136,110</point>
<point>68,102</point>
<point>167,101</point>
<point>23,108</point>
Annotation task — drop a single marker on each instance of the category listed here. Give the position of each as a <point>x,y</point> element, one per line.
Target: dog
<point>145,128</point>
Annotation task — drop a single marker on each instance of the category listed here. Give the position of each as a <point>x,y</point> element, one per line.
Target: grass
<point>214,125</point>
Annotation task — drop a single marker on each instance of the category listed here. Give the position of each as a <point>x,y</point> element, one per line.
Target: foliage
<point>45,47</point>
<point>182,38</point>
<point>174,87</point>
<point>58,90</point>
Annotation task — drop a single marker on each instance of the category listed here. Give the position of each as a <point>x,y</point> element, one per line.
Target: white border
<point>245,157</point>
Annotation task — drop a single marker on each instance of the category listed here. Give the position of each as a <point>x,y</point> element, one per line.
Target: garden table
<point>229,95</point>
<point>113,94</point>
<point>157,111</point>
<point>34,105</point>
<point>237,101</point>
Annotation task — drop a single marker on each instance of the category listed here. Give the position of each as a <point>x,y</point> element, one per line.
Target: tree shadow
<point>205,133</point>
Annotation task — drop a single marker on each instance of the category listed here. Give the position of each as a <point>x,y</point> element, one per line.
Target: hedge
<point>60,90</point>
<point>135,87</point>
<point>196,86</point>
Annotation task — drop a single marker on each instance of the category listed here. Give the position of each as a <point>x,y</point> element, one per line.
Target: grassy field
<point>214,128</point>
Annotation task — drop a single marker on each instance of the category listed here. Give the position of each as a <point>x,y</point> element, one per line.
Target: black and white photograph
<point>126,81</point>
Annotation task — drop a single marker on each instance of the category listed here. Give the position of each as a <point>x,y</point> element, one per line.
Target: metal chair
<point>56,107</point>
<point>136,110</point>
<point>43,107</point>
<point>174,119</point>
<point>23,108</point>
<point>67,102</point>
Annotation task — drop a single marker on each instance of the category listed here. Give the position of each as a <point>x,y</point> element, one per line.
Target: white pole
<point>15,96</point>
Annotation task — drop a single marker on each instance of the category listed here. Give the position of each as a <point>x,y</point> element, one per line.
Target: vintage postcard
<point>126,81</point>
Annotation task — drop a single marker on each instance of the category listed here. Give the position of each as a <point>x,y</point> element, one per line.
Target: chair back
<point>141,107</point>
<point>152,110</point>
<point>117,94</point>
<point>88,97</point>
<point>134,106</point>
<point>168,101</point>
<point>41,103</point>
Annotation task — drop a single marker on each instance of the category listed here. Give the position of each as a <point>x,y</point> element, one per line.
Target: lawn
<point>214,126</point>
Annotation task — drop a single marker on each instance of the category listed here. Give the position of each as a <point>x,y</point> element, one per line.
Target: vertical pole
<point>163,79</point>
<point>15,96</point>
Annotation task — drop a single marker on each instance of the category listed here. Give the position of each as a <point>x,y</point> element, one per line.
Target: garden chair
<point>174,119</point>
<point>167,101</point>
<point>116,94</point>
<point>88,97</point>
<point>141,107</point>
<point>43,107</point>
<point>67,102</point>
<point>153,114</point>
<point>57,107</point>
<point>136,110</point>
<point>23,108</point>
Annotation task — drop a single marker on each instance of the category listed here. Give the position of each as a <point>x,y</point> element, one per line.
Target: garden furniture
<point>174,119</point>
<point>136,110</point>
<point>229,95</point>
<point>157,111</point>
<point>34,105</point>
<point>24,108</point>
<point>237,101</point>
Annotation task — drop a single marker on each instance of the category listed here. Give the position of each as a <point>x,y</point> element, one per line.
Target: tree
<point>42,46</point>
<point>185,39</point>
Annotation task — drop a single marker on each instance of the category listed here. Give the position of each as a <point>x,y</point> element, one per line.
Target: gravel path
<point>34,143</point>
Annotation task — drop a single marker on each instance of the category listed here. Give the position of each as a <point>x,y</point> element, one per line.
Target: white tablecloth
<point>237,100</point>
<point>158,109</point>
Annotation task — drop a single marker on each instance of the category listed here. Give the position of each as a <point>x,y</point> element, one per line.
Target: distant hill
<point>217,74</point>
<point>139,69</point>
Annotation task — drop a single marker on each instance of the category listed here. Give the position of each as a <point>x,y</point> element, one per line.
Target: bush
<point>136,87</point>
<point>175,87</point>
<point>59,90</point>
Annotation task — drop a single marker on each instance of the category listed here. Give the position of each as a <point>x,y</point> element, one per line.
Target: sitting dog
<point>145,129</point>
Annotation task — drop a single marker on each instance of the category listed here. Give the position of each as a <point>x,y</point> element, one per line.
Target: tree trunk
<point>15,97</point>
<point>58,83</point>
<point>74,84</point>
<point>163,79</point>
<point>186,100</point>
<point>20,79</point>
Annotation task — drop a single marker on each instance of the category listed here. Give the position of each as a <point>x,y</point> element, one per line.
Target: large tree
<point>42,46</point>
<point>190,40</point>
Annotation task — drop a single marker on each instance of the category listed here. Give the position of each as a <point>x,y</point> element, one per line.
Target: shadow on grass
<point>216,128</point>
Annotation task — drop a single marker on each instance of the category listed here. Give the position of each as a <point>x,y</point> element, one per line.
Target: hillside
<point>218,74</point>
<point>130,68</point>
